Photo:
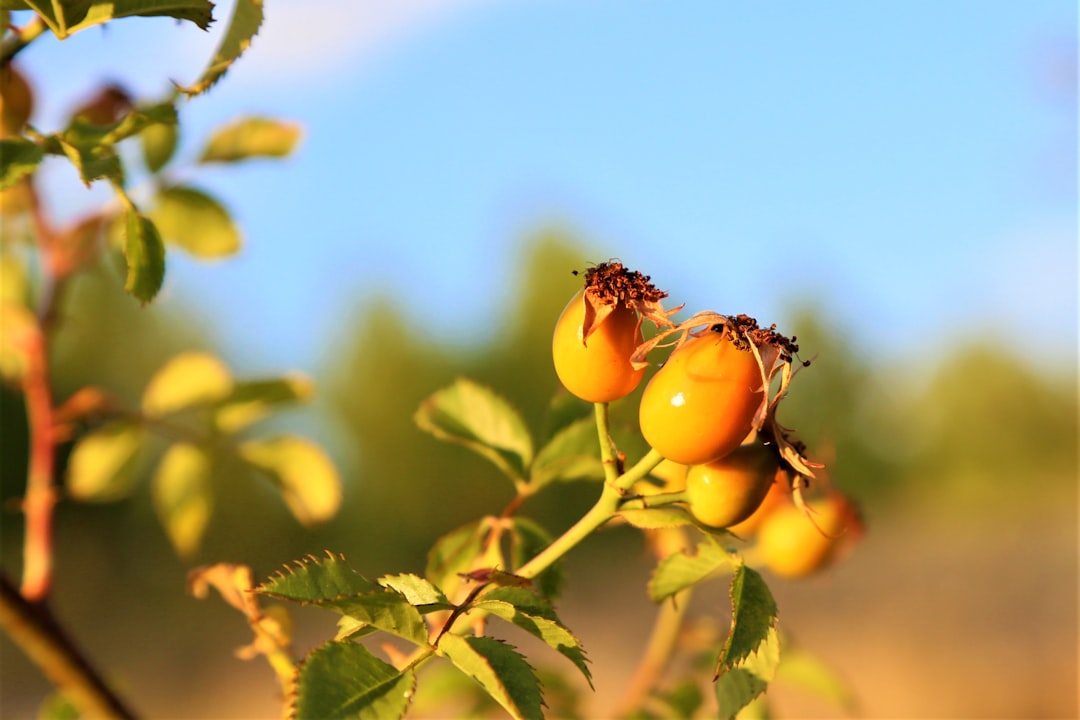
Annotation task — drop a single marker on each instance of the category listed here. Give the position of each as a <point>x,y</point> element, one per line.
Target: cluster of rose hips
<point>710,411</point>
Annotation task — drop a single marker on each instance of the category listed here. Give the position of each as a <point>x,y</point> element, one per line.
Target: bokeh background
<point>893,182</point>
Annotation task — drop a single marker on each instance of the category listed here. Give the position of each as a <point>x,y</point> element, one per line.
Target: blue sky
<point>911,165</point>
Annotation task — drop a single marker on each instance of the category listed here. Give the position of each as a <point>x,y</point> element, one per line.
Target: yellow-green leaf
<point>195,221</point>
<point>246,19</point>
<point>250,138</point>
<point>103,465</point>
<point>188,380</point>
<point>303,472</point>
<point>18,158</point>
<point>252,400</point>
<point>182,497</point>
<point>145,255</point>
<point>158,145</point>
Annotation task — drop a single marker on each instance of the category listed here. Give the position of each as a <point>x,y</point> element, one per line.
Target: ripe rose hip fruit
<point>729,490</point>
<point>700,405</point>
<point>597,369</point>
<point>600,329</point>
<point>779,495</point>
<point>791,546</point>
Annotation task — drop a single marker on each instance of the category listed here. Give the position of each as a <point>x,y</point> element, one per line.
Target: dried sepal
<point>609,285</point>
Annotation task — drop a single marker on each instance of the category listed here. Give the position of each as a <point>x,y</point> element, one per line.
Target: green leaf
<point>753,617</point>
<point>314,579</point>
<point>500,670</point>
<point>246,18</point>
<point>70,16</point>
<point>565,409</point>
<point>252,138</point>
<point>472,415</point>
<point>344,680</point>
<point>527,540</point>
<point>18,158</point>
<point>159,142</point>
<point>92,159</point>
<point>182,499</point>
<point>134,122</point>
<point>252,400</point>
<point>145,255</point>
<point>186,381</point>
<point>103,465</point>
<point>666,516</point>
<point>807,672</point>
<point>534,615</point>
<point>196,222</point>
<point>418,591</point>
<point>385,609</point>
<point>304,474</point>
<point>740,684</point>
<point>680,570</point>
<point>572,454</point>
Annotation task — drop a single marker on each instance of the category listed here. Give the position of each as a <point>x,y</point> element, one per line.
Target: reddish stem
<point>40,492</point>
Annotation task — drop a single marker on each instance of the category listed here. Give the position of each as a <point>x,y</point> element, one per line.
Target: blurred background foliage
<point>966,467</point>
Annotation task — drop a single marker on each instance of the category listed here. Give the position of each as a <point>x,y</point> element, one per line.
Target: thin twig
<point>33,628</point>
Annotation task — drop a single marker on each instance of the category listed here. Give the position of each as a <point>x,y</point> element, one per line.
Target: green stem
<point>644,502</point>
<point>665,633</point>
<point>608,454</point>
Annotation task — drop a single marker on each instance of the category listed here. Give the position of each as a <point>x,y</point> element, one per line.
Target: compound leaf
<point>472,415</point>
<point>344,680</point>
<point>418,591</point>
<point>304,474</point>
<point>500,670</point>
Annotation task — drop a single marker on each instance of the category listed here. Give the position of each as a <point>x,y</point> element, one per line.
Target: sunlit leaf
<point>572,454</point>
<point>188,380</point>
<point>66,18</point>
<point>472,415</point>
<point>304,474</point>
<point>681,570</point>
<point>103,465</point>
<point>316,578</point>
<point>246,19</point>
<point>252,400</point>
<point>18,158</point>
<point>252,138</point>
<point>743,682</point>
<point>416,589</point>
<point>135,121</point>
<point>182,498</point>
<point>500,670</point>
<point>529,612</point>
<point>344,680</point>
<point>159,143</point>
<point>145,255</point>
<point>753,617</point>
<point>807,672</point>
<point>196,222</point>
<point>385,609</point>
